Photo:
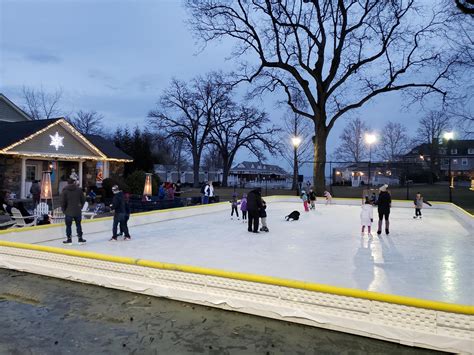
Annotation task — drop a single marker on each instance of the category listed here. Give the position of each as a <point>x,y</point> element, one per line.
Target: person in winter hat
<point>243,207</point>
<point>366,216</point>
<point>120,214</point>
<point>72,201</point>
<point>304,197</point>
<point>254,204</point>
<point>234,205</point>
<point>418,202</point>
<point>312,198</point>
<point>263,217</point>
<point>384,203</point>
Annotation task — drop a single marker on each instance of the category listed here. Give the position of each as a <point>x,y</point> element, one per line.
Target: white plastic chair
<point>58,216</point>
<point>86,213</point>
<point>20,220</point>
<point>41,209</point>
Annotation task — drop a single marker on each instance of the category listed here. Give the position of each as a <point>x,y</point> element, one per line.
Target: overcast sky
<point>116,57</point>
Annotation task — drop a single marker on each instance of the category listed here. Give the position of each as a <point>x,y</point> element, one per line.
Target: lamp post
<point>448,136</point>
<point>296,141</point>
<point>370,139</point>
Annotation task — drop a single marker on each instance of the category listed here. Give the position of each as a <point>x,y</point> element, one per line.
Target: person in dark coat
<point>127,212</point>
<point>72,200</point>
<point>254,204</point>
<point>120,214</point>
<point>384,203</point>
<point>35,191</point>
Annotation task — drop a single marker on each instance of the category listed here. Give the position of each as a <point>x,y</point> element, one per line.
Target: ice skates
<point>81,241</point>
<point>68,241</point>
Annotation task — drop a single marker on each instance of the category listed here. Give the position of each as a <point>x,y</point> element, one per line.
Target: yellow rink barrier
<point>341,291</point>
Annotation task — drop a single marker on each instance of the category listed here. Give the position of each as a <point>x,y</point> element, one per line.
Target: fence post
<point>330,177</point>
<point>406,180</point>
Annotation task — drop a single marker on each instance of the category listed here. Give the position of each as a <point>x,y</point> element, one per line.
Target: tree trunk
<point>196,161</point>
<point>225,174</point>
<point>319,167</point>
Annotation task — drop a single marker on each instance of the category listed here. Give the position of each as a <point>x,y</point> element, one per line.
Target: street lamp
<point>448,136</point>
<point>370,139</point>
<point>296,141</point>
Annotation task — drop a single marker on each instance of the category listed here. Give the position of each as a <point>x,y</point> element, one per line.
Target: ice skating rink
<point>430,258</point>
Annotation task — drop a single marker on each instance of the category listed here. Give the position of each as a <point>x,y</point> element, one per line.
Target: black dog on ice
<point>295,215</point>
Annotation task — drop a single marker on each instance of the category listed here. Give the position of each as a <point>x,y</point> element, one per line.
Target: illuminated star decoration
<point>56,141</point>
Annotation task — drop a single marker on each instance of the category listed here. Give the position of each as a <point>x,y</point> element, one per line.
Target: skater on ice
<point>243,207</point>
<point>72,201</point>
<point>254,204</point>
<point>305,198</point>
<point>119,207</point>
<point>367,216</point>
<point>263,217</point>
<point>127,212</point>
<point>384,204</point>
<point>328,197</point>
<point>312,198</point>
<point>418,202</point>
<point>234,205</point>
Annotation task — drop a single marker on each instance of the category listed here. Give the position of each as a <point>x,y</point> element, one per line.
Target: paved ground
<point>41,315</point>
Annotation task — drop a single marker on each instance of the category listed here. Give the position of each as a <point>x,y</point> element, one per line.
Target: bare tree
<point>88,122</point>
<point>339,54</point>
<point>466,6</point>
<point>186,111</point>
<point>430,131</point>
<point>296,126</point>
<point>394,141</point>
<point>39,104</point>
<point>353,146</point>
<point>235,128</point>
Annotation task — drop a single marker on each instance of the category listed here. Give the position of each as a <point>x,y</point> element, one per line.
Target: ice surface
<point>430,258</point>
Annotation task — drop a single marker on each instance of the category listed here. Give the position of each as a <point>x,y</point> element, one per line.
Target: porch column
<point>80,173</point>
<point>106,169</point>
<point>23,178</point>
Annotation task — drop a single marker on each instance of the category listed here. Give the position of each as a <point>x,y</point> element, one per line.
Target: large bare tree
<point>352,147</point>
<point>40,104</point>
<point>235,128</point>
<point>338,54</point>
<point>430,131</point>
<point>88,122</point>
<point>186,111</point>
<point>394,141</point>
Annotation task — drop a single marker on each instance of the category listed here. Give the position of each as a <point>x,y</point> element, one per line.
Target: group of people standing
<point>72,201</point>
<point>383,203</point>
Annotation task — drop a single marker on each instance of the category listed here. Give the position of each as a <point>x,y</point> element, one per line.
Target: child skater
<point>234,204</point>
<point>418,202</point>
<point>328,197</point>
<point>304,197</point>
<point>243,207</point>
<point>312,198</point>
<point>367,216</point>
<point>263,217</point>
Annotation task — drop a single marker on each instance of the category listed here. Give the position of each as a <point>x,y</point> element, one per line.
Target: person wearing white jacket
<point>366,216</point>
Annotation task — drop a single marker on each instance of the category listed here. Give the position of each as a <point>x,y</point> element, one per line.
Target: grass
<point>461,196</point>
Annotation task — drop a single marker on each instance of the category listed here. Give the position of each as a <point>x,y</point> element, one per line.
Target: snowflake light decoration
<point>56,141</point>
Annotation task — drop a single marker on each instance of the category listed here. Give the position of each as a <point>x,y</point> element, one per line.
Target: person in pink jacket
<point>243,207</point>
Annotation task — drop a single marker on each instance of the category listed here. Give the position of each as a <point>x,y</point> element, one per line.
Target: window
<point>455,161</point>
<point>442,151</point>
<point>464,161</point>
<point>30,172</point>
<point>445,161</point>
<point>470,151</point>
<point>454,151</point>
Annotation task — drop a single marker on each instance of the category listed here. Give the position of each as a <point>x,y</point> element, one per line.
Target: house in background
<point>250,174</point>
<point>30,147</point>
<point>460,152</point>
<point>245,174</point>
